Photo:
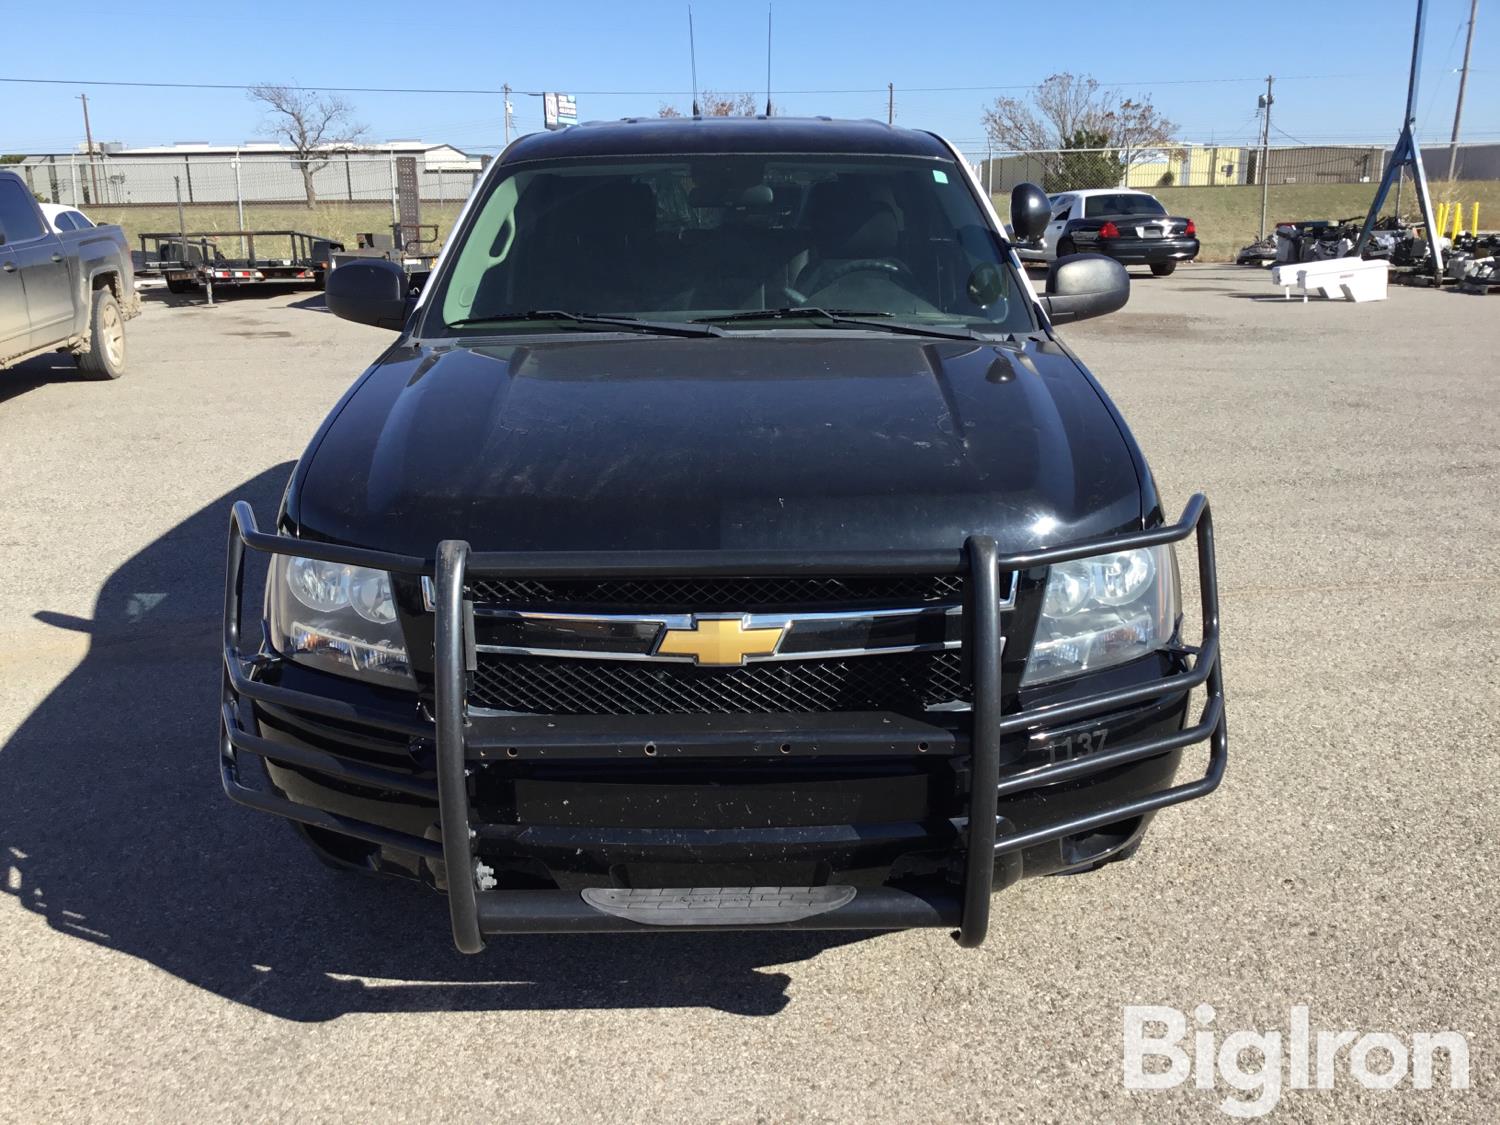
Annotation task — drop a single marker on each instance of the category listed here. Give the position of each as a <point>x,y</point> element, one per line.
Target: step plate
<point>716,906</point>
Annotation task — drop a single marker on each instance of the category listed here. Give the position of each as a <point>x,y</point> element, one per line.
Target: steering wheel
<point>827,275</point>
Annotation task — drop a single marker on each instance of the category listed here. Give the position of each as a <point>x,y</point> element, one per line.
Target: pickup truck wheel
<point>337,852</point>
<point>105,358</point>
<point>1162,269</point>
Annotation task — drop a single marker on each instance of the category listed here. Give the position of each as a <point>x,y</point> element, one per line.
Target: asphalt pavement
<point>167,956</point>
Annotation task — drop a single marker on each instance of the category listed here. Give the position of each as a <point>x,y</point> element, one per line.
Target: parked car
<point>70,291</point>
<point>725,540</point>
<point>1132,227</point>
<point>61,218</point>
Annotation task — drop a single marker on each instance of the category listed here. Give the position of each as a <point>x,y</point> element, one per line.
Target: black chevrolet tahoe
<point>726,540</point>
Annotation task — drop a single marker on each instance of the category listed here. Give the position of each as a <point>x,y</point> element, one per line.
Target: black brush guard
<point>477,913</point>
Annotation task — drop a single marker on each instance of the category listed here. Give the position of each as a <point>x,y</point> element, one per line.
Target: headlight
<point>1102,611</point>
<point>338,618</point>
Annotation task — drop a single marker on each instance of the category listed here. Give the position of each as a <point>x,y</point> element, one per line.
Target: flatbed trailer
<point>416,255</point>
<point>194,258</point>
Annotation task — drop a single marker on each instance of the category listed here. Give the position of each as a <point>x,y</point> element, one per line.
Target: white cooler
<point>1350,278</point>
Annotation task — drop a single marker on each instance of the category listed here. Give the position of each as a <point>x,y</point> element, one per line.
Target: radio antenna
<point>768,59</point>
<point>693,56</point>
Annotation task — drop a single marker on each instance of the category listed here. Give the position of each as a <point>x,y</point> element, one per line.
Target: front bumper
<point>421,780</point>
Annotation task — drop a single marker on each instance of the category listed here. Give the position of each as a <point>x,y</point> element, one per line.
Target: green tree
<point>1067,108</point>
<point>1089,164</point>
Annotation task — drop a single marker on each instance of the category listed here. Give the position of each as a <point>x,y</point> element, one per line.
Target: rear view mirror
<point>1029,211</point>
<point>1081,286</point>
<point>372,291</point>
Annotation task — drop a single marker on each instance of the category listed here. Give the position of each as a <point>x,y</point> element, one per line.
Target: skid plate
<point>716,906</point>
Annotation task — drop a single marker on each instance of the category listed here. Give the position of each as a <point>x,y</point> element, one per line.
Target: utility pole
<point>1463,80</point>
<point>890,103</point>
<point>88,140</point>
<point>1265,152</point>
<point>505,111</point>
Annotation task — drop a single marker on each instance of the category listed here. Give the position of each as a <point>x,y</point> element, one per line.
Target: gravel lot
<point>167,956</point>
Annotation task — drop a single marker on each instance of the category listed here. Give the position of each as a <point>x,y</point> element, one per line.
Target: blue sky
<point>1341,64</point>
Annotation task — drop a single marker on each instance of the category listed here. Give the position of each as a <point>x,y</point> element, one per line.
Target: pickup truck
<point>726,540</point>
<point>67,290</point>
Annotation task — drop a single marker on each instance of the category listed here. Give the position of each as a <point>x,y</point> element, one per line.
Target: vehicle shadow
<point>318,302</point>
<point>1294,299</point>
<point>115,829</point>
<point>40,371</point>
<point>228,295</point>
<point>161,295</point>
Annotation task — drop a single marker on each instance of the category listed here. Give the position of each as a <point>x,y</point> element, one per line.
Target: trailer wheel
<point>176,286</point>
<point>320,280</point>
<point>105,358</point>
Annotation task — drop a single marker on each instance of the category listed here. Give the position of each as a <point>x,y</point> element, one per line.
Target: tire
<point>105,358</point>
<point>175,286</point>
<point>1120,856</point>
<point>1066,247</point>
<point>343,854</point>
<point>1162,269</point>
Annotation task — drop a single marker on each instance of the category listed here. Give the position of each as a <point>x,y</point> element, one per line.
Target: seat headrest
<point>850,219</point>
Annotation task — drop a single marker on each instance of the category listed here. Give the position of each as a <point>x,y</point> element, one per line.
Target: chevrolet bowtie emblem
<point>720,640</point>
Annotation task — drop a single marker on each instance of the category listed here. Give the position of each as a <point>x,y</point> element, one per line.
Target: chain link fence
<point>337,197</point>
<point>1221,187</point>
<point>1183,166</point>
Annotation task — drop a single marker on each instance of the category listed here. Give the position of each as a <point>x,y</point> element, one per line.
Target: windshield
<point>1126,203</point>
<point>718,238</point>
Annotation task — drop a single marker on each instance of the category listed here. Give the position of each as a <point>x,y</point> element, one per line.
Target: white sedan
<point>62,218</point>
<point>1129,226</point>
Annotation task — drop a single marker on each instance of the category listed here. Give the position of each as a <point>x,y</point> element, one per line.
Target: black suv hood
<point>799,442</point>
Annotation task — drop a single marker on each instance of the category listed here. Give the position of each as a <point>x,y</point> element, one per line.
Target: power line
<point>241,86</point>
<point>633,93</point>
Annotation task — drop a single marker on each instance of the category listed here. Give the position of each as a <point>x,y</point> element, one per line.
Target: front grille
<point>709,595</point>
<point>902,682</point>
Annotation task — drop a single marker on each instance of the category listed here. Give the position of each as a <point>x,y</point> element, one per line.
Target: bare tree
<point>313,124</point>
<point>1138,127</point>
<point>1070,111</point>
<point>713,104</point>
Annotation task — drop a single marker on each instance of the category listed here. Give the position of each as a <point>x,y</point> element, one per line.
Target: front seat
<point>852,222</point>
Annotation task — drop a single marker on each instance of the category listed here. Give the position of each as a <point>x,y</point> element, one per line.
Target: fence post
<point>73,163</point>
<point>239,200</point>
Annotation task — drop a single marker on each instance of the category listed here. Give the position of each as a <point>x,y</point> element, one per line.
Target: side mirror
<point>1081,286</point>
<point>1030,209</point>
<point>372,291</point>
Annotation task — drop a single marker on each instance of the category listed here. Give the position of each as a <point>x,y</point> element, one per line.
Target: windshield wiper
<point>855,317</point>
<point>630,323</point>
